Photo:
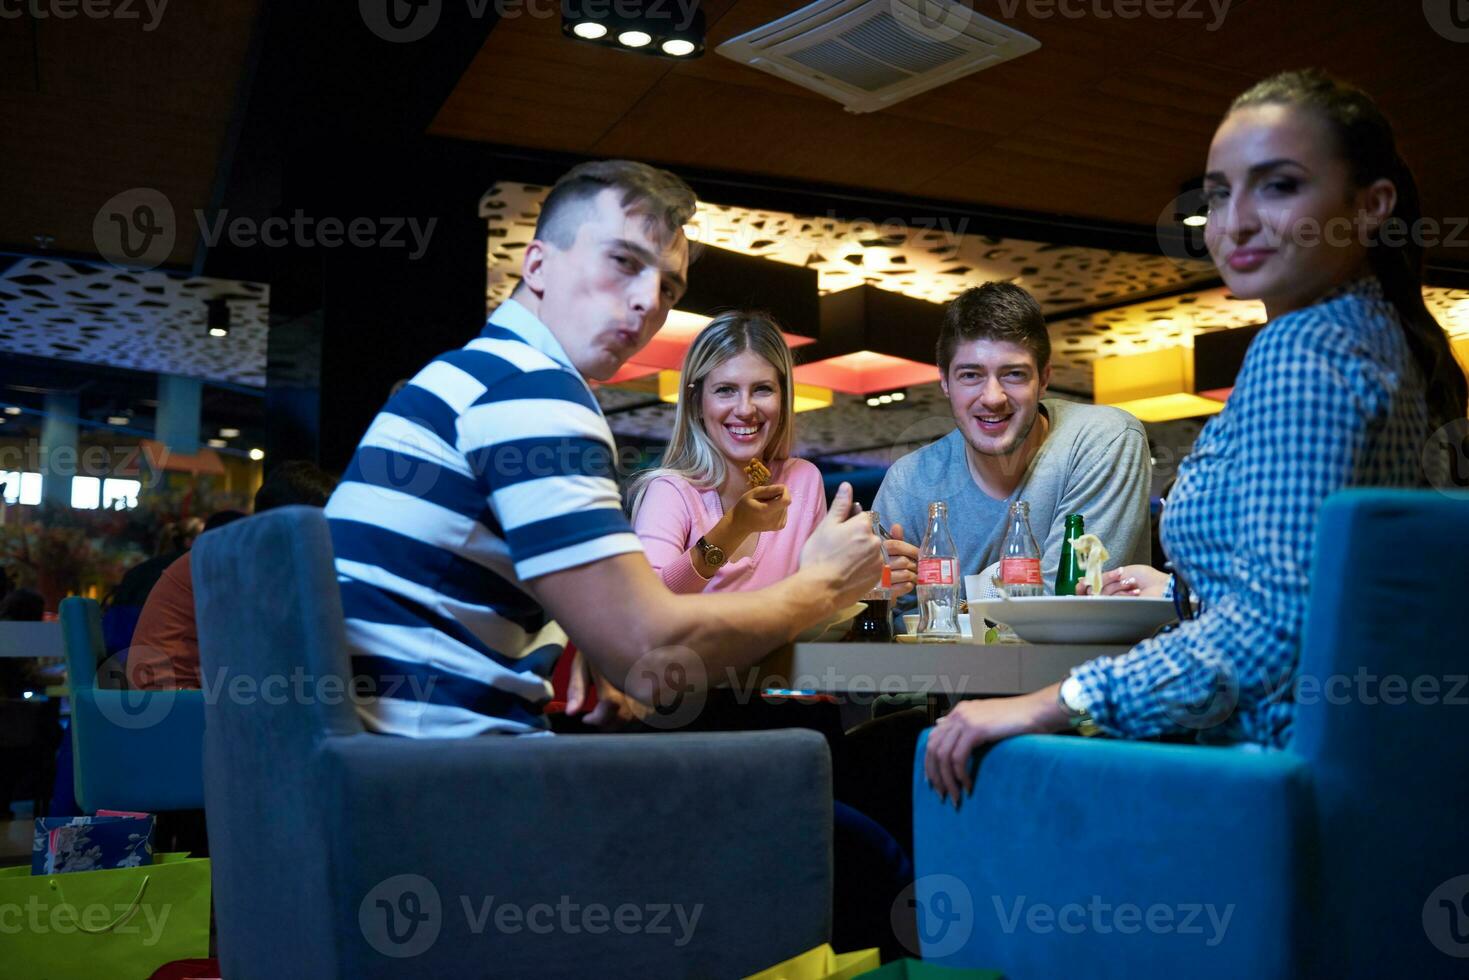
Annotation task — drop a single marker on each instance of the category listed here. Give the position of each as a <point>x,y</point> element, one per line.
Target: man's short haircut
<point>661,195</point>
<point>294,482</point>
<point>995,311</point>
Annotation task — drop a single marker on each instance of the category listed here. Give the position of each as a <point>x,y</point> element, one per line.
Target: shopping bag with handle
<point>119,923</point>
<point>822,963</point>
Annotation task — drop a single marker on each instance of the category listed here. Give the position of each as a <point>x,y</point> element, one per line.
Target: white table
<point>924,668</point>
<point>28,639</point>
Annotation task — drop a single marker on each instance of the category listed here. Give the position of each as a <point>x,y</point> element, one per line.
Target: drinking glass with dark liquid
<point>875,623</point>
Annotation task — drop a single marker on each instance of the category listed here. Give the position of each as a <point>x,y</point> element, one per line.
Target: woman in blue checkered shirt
<point>1313,212</point>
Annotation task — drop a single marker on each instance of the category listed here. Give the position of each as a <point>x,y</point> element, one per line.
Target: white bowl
<point>1078,619</point>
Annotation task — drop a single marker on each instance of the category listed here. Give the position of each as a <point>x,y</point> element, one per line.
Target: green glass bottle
<point>1068,571</point>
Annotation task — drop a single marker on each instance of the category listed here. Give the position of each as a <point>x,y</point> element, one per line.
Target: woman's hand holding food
<point>1130,580</point>
<point>761,509</point>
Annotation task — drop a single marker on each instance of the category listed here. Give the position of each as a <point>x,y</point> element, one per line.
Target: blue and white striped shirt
<point>491,467</point>
<point>1329,397</point>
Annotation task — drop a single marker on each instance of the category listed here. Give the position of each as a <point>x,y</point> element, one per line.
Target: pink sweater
<point>674,515</point>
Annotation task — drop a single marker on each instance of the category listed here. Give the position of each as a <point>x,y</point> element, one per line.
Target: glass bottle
<point>1020,558</point>
<point>875,623</point>
<point>1068,572</point>
<point>938,580</point>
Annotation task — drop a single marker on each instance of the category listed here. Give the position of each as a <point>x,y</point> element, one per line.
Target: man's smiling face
<point>995,390</point>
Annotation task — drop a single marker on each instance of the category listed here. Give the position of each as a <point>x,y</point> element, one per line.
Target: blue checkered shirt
<point>1328,397</point>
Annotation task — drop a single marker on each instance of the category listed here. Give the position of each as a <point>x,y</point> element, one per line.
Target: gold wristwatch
<point>1073,702</point>
<point>713,554</point>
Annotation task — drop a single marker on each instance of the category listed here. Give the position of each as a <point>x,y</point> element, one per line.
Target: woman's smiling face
<point>740,405</point>
<point>1286,221</point>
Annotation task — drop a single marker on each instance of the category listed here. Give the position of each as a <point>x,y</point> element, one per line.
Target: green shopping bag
<point>119,923</point>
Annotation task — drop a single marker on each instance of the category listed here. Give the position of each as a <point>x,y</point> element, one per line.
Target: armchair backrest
<point>1382,708</point>
<point>81,636</point>
<point>131,750</point>
<point>273,648</point>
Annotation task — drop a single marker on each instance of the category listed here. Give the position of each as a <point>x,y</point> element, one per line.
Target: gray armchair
<point>341,853</point>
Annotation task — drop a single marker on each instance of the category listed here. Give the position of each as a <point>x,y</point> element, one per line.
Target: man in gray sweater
<point>1013,444</point>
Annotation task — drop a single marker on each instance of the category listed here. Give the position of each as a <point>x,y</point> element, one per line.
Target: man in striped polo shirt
<point>479,523</point>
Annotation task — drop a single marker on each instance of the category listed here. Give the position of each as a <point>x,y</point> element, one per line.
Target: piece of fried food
<point>1092,554</point>
<point>757,473</point>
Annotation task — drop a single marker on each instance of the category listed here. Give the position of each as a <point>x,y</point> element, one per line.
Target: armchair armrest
<point>1119,859</point>
<point>692,835</point>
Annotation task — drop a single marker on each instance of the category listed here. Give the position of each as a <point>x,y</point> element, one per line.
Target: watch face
<point>713,555</point>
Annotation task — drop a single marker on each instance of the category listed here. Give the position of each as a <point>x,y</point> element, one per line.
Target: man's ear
<point>944,383</point>
<point>533,266</point>
<point>1045,380</point>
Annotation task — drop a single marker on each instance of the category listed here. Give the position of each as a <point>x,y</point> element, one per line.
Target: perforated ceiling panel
<point>146,321</point>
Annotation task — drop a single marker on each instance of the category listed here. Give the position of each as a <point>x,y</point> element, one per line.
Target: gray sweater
<point>1094,462</point>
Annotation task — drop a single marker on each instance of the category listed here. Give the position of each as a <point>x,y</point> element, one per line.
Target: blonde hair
<point>691,454</point>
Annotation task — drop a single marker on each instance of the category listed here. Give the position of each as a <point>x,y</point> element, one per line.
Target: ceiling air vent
<point>870,54</point>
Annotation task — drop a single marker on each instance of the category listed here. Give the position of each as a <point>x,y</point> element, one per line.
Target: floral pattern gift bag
<point>111,839</point>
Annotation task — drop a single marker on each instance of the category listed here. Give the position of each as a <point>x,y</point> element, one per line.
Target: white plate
<point>1079,619</point>
<point>834,630</point>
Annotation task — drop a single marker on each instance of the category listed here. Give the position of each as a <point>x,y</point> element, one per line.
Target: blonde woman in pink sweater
<point>706,526</point>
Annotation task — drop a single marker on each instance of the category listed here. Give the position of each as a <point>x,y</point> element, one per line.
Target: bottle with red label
<point>938,580</point>
<point>1020,559</point>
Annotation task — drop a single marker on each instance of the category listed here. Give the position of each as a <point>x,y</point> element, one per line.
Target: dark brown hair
<point>661,195</point>
<point>995,311</point>
<point>1364,140</point>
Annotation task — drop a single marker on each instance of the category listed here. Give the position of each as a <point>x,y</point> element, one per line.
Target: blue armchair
<point>131,750</point>
<point>1333,858</point>
<point>339,853</point>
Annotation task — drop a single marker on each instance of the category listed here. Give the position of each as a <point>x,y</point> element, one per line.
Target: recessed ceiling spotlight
<point>219,316</point>
<point>257,454</point>
<point>118,420</point>
<point>229,433</point>
<point>651,27</point>
<point>216,443</point>
<point>1196,220</point>
<point>12,409</point>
